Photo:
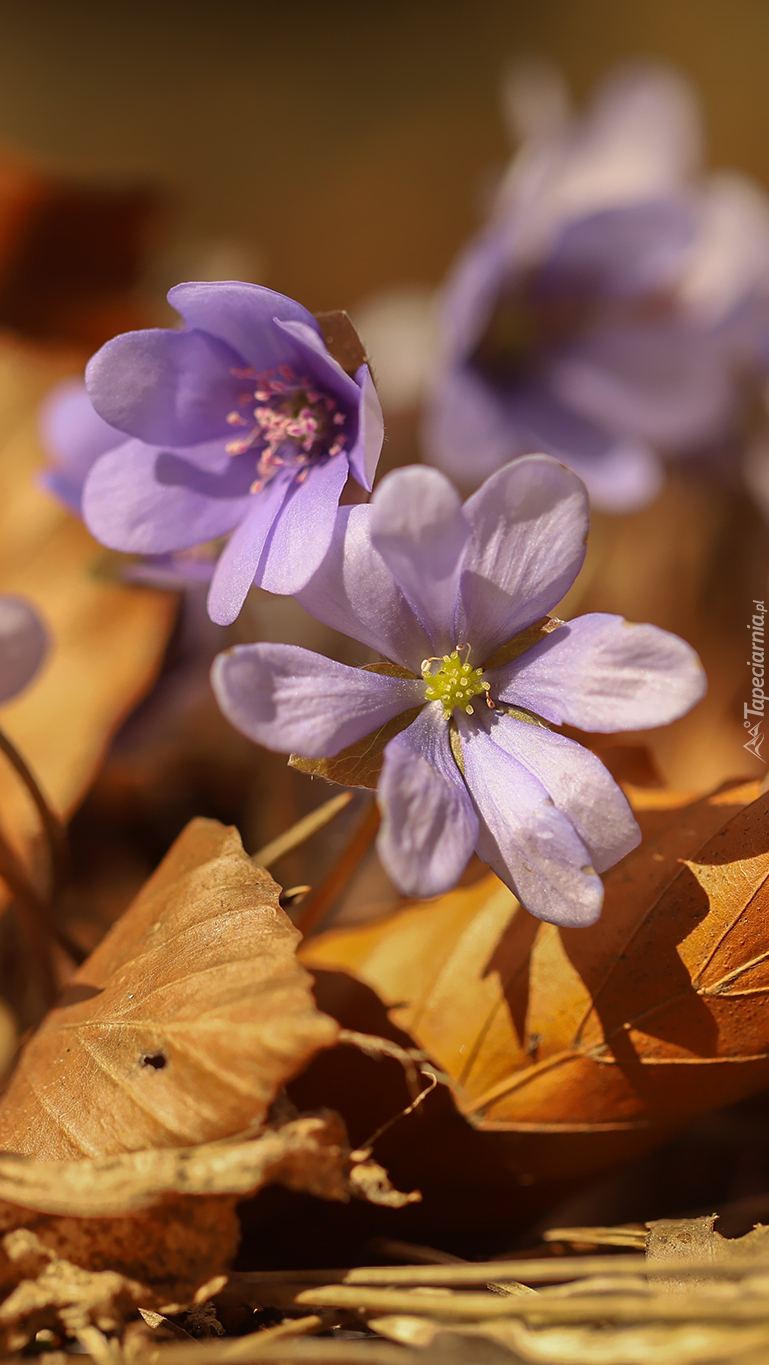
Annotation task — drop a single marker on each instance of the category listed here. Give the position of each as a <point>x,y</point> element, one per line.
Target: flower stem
<point>331,887</point>
<point>52,825</point>
<point>301,831</point>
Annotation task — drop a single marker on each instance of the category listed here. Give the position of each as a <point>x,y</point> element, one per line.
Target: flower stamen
<point>455,683</point>
<point>292,424</point>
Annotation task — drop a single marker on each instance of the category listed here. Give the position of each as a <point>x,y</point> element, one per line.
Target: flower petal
<point>145,500</point>
<point>239,560</point>
<point>73,433</point>
<point>24,643</point>
<point>620,473</point>
<point>429,826</point>
<point>581,787</point>
<point>364,455</point>
<point>730,258</point>
<point>529,525</point>
<point>524,838</point>
<point>420,530</point>
<point>315,359</point>
<point>165,387</point>
<point>602,673</point>
<point>301,533</point>
<point>664,382</point>
<point>288,698</point>
<point>354,592</point>
<point>242,315</point>
<point>620,251</point>
<point>469,429</point>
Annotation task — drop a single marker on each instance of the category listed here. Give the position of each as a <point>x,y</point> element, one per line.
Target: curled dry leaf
<point>184,1023</point>
<point>181,1028</point>
<point>588,1045</point>
<point>108,638</point>
<point>166,1218</point>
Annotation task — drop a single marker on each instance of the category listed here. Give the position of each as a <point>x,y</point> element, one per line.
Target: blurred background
<point>331,150</point>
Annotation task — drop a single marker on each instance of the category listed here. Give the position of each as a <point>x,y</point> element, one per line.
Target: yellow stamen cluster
<point>454,684</point>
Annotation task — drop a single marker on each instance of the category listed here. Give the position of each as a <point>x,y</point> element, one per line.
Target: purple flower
<point>24,643</point>
<point>241,424</point>
<point>74,436</point>
<point>453,597</point>
<point>613,307</point>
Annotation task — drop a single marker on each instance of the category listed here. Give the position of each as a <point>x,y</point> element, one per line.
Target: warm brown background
<point>345,144</point>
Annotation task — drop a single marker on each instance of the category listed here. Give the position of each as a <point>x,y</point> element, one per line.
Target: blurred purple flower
<point>241,423</point>
<point>24,643</point>
<point>612,307</point>
<point>74,436</point>
<point>438,589</point>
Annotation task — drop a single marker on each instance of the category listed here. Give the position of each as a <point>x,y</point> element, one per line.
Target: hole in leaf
<point>157,1061</point>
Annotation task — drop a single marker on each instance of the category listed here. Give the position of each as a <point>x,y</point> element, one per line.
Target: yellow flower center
<point>454,683</point>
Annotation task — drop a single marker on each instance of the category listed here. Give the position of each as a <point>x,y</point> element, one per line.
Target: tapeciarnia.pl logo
<point>756,706</point>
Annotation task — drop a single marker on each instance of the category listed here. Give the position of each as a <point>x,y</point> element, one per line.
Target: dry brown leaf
<point>183,1024</point>
<point>586,1045</point>
<point>166,1218</point>
<point>51,1292</point>
<point>677,1242</point>
<point>108,638</point>
<point>308,1153</point>
<point>181,1028</point>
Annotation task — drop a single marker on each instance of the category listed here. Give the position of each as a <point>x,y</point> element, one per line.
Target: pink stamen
<point>291,416</point>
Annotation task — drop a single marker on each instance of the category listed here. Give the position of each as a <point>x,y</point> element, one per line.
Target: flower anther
<point>290,424</point>
<point>455,683</point>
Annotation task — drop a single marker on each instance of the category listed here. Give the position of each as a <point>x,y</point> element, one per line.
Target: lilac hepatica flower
<point>74,436</point>
<point>454,598</point>
<point>613,307</point>
<point>24,644</point>
<point>241,424</point>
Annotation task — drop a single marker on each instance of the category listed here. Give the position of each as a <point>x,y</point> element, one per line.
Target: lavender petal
<point>364,454</point>
<point>524,838</point>
<point>290,699</point>
<point>354,592</point>
<point>301,533</point>
<point>145,500</point>
<point>239,560</point>
<point>164,387</point>
<point>242,315</point>
<point>529,525</point>
<point>579,784</point>
<point>602,673</point>
<point>429,827</point>
<point>24,643</point>
<point>420,530</point>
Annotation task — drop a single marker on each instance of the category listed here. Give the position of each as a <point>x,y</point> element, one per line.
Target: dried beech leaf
<point>183,1024</point>
<point>108,638</point>
<point>308,1153</point>
<point>586,1045</point>
<point>166,1218</point>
